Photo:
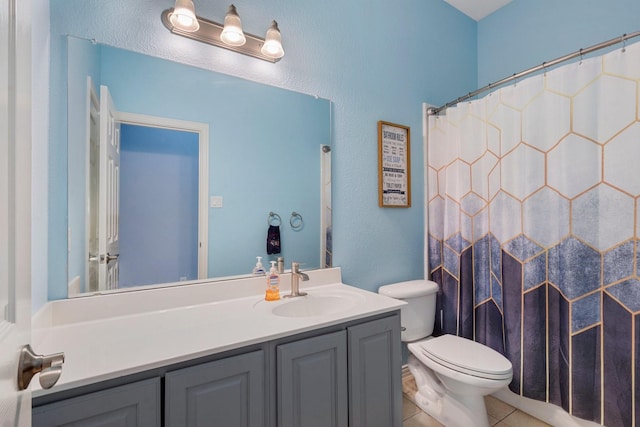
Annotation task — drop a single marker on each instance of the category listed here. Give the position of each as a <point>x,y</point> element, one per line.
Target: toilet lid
<point>467,356</point>
<point>410,289</point>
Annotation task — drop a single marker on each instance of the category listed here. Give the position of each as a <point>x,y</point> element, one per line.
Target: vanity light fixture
<point>183,21</point>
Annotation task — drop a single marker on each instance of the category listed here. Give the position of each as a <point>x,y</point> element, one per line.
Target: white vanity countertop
<point>147,332</point>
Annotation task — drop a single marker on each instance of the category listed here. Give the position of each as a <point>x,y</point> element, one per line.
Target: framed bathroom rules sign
<point>394,166</point>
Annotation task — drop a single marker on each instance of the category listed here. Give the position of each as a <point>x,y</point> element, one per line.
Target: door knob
<point>108,258</point>
<point>112,257</point>
<point>49,367</point>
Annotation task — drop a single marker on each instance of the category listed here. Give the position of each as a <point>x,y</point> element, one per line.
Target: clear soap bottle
<point>258,270</point>
<point>273,284</point>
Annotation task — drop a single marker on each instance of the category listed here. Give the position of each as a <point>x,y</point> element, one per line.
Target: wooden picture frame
<point>394,165</point>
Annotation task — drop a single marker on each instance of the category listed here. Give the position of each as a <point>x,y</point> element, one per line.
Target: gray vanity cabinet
<point>348,378</point>
<point>312,382</point>
<point>229,392</point>
<point>375,374</point>
<point>346,375</point>
<point>131,405</point>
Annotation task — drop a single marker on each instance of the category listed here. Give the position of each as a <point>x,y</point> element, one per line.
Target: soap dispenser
<point>258,270</point>
<point>273,284</point>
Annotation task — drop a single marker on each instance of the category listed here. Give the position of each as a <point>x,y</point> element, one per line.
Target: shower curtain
<point>534,231</point>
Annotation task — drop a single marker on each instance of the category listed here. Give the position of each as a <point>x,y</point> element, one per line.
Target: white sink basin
<point>317,305</point>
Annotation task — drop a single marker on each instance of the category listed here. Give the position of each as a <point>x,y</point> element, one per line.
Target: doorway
<point>162,210</point>
<point>158,205</point>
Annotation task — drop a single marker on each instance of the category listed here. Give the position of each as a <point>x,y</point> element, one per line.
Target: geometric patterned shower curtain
<point>533,199</point>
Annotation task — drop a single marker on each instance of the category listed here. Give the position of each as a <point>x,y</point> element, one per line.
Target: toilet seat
<point>467,357</point>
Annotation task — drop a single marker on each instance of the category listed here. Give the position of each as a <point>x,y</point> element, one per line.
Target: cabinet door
<point>375,374</point>
<point>131,405</point>
<point>312,382</point>
<point>227,393</point>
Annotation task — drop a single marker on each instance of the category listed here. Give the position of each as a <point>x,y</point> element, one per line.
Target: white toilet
<point>453,374</point>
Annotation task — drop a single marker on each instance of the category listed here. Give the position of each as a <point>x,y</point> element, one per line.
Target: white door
<point>109,192</point>
<point>15,205</point>
<point>91,283</point>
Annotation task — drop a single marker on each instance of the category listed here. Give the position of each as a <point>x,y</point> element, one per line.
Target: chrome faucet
<point>296,275</point>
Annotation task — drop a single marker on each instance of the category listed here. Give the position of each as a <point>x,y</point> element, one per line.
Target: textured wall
<point>373,60</point>
<point>526,33</point>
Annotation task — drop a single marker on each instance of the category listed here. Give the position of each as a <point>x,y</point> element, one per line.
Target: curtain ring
<point>274,219</point>
<point>544,67</point>
<point>296,221</point>
<point>581,57</point>
<point>624,43</point>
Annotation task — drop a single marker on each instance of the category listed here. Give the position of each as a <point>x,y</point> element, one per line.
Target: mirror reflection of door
<point>109,198</point>
<point>143,211</point>
<point>93,185</point>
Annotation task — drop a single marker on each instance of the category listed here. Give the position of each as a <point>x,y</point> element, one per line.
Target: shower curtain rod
<point>544,65</point>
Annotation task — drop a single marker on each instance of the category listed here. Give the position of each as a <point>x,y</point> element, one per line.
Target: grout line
<point>507,415</point>
<point>406,373</point>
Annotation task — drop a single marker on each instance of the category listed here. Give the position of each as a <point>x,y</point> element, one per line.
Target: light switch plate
<point>216,201</point>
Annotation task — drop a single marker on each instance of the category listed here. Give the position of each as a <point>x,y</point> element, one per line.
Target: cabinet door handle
<point>49,367</point>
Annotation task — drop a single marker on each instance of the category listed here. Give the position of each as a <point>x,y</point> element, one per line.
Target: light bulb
<point>232,32</point>
<point>272,46</point>
<point>183,16</point>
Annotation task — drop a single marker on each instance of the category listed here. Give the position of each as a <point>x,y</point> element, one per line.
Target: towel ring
<point>274,219</point>
<point>296,221</point>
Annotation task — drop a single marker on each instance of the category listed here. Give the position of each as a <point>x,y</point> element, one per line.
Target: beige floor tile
<point>497,408</point>
<point>409,386</point>
<point>421,420</point>
<point>493,421</point>
<point>500,413</point>
<point>408,408</point>
<point>520,419</point>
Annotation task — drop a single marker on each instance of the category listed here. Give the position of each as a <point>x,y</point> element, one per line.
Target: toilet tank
<point>419,315</point>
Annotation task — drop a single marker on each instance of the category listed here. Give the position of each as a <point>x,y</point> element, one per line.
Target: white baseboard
<point>547,412</point>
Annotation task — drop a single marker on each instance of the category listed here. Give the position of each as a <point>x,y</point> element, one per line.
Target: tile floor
<point>500,414</point>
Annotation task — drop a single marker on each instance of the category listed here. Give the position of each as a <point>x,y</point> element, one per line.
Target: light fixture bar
<point>209,32</point>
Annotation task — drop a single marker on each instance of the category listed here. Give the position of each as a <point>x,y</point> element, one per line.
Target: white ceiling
<point>477,9</point>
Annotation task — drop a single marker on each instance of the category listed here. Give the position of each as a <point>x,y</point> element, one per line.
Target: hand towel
<point>273,240</point>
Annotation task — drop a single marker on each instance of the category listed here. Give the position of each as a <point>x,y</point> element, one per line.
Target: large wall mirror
<point>176,173</point>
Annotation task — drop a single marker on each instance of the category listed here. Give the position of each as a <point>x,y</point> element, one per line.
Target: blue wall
<point>254,130</point>
<point>373,60</point>
<point>158,205</point>
<point>389,61</point>
<point>386,62</point>
<point>526,33</point>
